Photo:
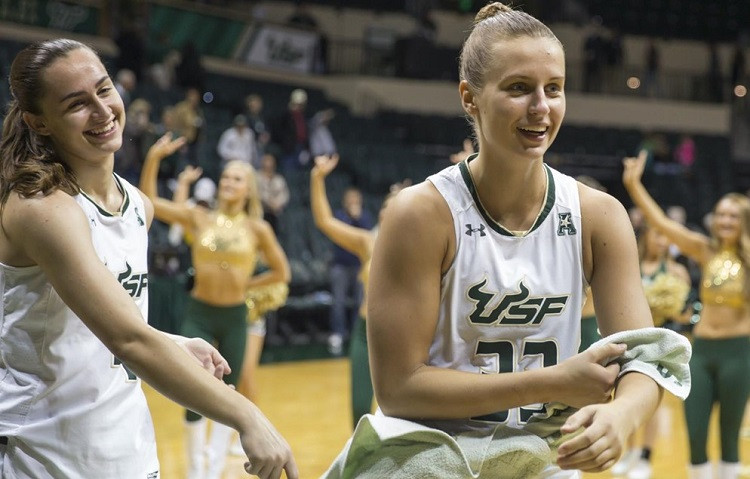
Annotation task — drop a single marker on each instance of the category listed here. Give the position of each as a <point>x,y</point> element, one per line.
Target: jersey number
<point>131,374</point>
<point>504,354</point>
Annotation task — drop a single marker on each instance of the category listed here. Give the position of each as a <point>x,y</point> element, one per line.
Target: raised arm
<point>53,232</point>
<point>185,180</point>
<point>353,239</point>
<point>692,244</point>
<point>164,209</point>
<point>403,305</point>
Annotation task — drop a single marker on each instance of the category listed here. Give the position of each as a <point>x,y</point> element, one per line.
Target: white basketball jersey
<point>510,303</point>
<point>68,407</point>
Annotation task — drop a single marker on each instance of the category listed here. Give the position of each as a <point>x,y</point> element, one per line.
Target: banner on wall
<point>69,16</point>
<point>282,48</point>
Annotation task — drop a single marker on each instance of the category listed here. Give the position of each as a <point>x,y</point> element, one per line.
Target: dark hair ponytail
<point>28,163</point>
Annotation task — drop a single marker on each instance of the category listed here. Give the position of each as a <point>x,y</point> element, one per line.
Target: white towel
<point>387,447</point>
<point>659,353</point>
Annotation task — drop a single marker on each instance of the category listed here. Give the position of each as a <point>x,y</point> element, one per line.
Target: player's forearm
<point>637,397</point>
<point>158,360</point>
<point>440,393</point>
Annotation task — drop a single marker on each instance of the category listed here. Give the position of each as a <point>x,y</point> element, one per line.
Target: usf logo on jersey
<point>134,283</point>
<point>517,308</point>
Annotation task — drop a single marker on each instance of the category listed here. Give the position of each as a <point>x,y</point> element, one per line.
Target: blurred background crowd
<point>275,83</point>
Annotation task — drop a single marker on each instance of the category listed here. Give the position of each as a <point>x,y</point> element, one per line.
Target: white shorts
<point>257,328</point>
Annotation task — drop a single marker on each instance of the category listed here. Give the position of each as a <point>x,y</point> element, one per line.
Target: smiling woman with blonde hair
<point>227,241</point>
<point>477,280</point>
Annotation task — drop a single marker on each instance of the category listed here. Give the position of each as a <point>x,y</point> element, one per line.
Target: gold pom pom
<point>265,298</point>
<point>666,296</point>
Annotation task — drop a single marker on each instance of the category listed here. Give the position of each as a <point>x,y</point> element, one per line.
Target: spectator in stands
<point>714,78</point>
<point>302,18</point>
<point>137,136</point>
<point>290,132</point>
<point>189,72</point>
<point>345,286</point>
<point>593,57</point>
<point>163,72</point>
<point>651,83</point>
<point>738,64</point>
<point>684,154</point>
<point>273,191</point>
<point>321,139</point>
<point>613,56</point>
<point>125,83</point>
<point>131,44</point>
<point>237,143</point>
<point>188,117</point>
<point>257,122</point>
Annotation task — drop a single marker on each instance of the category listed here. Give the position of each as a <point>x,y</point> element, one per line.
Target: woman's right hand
<point>590,377</point>
<point>267,452</point>
<point>165,146</point>
<point>633,169</point>
<point>325,164</point>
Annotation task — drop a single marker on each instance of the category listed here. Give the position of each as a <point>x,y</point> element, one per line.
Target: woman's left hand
<point>207,355</point>
<point>601,442</point>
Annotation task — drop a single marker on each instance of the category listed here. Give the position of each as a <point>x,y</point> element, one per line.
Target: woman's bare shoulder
<point>29,222</point>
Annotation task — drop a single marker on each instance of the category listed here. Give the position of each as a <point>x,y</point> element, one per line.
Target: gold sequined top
<point>227,242</point>
<point>724,280</point>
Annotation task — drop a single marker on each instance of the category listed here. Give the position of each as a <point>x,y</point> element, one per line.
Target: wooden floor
<point>309,404</point>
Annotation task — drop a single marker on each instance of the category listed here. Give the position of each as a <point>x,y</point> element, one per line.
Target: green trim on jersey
<point>123,207</point>
<point>549,200</point>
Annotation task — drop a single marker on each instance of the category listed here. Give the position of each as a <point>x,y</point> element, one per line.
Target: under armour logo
<point>471,230</point>
<point>565,226</point>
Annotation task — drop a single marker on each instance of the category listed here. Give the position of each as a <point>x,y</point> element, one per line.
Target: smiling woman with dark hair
<point>75,292</point>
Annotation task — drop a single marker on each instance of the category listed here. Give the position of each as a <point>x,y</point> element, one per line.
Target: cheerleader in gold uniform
<point>720,366</point>
<point>227,241</point>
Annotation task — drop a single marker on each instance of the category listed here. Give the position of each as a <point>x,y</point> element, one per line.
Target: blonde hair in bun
<point>490,10</point>
<point>493,23</point>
